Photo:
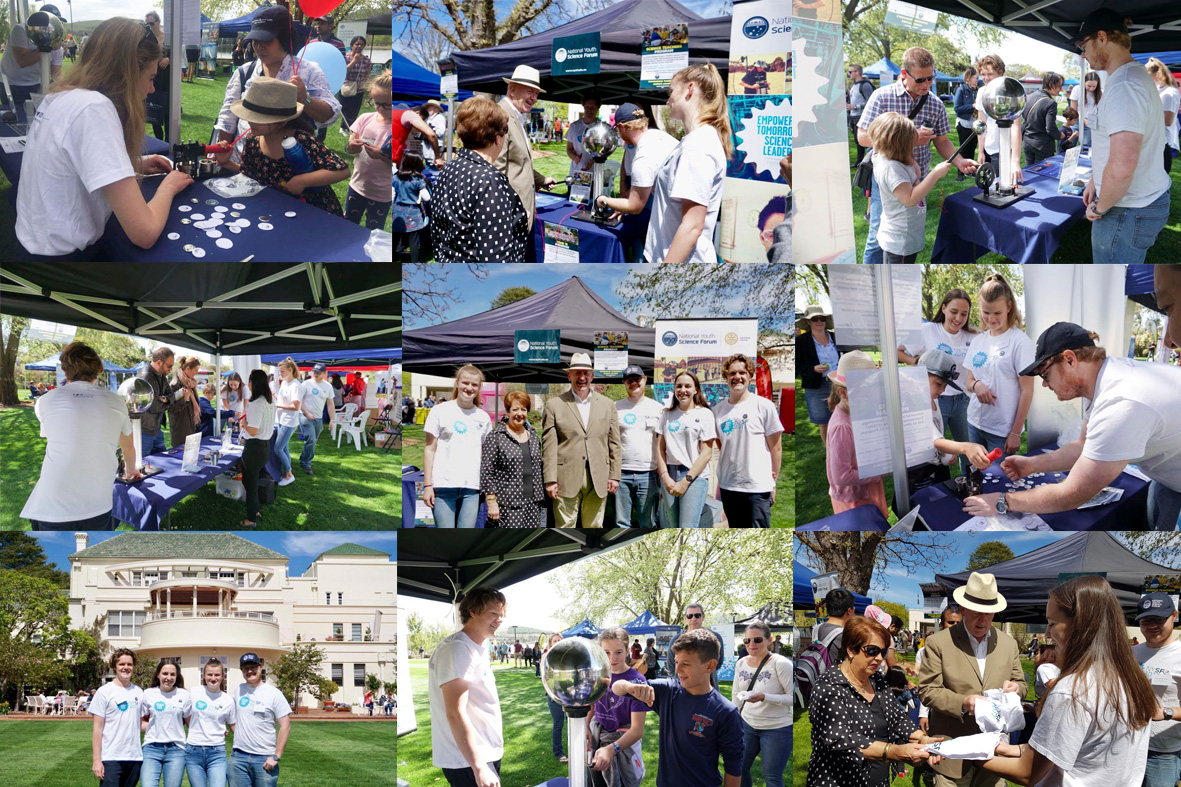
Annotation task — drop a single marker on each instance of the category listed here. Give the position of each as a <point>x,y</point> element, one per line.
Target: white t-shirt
<point>460,434</point>
<point>574,136</point>
<point>936,337</point>
<point>1163,668</point>
<point>992,141</point>
<point>289,391</point>
<point>639,427</point>
<point>74,148</point>
<point>121,709</point>
<point>258,712</point>
<point>81,424</point>
<point>902,227</point>
<point>1170,101</point>
<point>1045,674</point>
<point>1134,417</point>
<point>210,715</point>
<point>743,429</point>
<point>652,151</point>
<point>234,400</point>
<point>1084,741</point>
<point>29,75</point>
<point>260,414</point>
<point>274,385</point>
<point>1131,102</point>
<point>459,657</point>
<point>166,714</point>
<point>1087,109</point>
<point>996,361</point>
<point>313,395</point>
<point>695,171</point>
<point>683,434</point>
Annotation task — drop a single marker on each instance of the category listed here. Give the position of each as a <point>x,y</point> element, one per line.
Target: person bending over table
<point>82,161</point>
<point>653,147</point>
<point>1130,416</point>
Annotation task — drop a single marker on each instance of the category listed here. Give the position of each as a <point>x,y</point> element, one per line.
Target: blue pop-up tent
<point>942,77</point>
<point>883,66</point>
<point>412,81</point>
<point>646,623</point>
<point>802,588</point>
<point>1170,59</point>
<point>357,359</point>
<point>584,629</point>
<point>1138,286</point>
<point>52,362</point>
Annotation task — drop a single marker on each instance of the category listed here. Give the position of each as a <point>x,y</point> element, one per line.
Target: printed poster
<point>1163,583</point>
<point>448,79</point>
<point>575,55</point>
<point>934,599</point>
<point>561,243</point>
<point>537,347</point>
<point>701,346</point>
<point>191,463</point>
<point>821,585</point>
<point>871,424</point>
<point>664,50</point>
<point>610,354</point>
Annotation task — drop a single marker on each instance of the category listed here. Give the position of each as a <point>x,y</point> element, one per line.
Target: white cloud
<point>317,542</point>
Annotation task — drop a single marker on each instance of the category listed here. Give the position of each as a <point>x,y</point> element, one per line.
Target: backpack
<point>813,661</point>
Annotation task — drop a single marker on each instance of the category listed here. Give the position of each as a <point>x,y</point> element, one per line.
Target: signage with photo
<point>561,243</point>
<point>191,463</point>
<point>580,189</point>
<point>934,599</point>
<point>664,50</point>
<point>610,354</point>
<point>701,346</point>
<point>821,585</point>
<point>760,49</point>
<point>1163,583</point>
<point>575,55</point>
<point>537,347</point>
<point>448,79</point>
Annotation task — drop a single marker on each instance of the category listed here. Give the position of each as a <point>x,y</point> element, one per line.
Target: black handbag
<point>863,177</point>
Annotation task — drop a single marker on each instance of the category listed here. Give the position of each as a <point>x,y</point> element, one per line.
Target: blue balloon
<point>329,59</point>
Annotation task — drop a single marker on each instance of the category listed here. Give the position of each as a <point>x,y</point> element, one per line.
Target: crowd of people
<point>634,450</point>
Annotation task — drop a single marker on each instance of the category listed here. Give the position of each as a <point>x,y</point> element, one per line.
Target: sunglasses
<point>921,80</point>
<point>873,651</point>
<point>691,615</point>
<point>817,319</point>
<point>755,640</point>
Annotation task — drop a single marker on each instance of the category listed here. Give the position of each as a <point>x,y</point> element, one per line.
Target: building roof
<point>179,545</point>
<point>353,549</point>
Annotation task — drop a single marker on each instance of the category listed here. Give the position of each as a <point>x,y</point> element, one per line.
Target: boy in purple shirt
<point>696,722</point>
<point>617,722</point>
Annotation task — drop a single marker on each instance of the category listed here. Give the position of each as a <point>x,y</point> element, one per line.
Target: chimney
<point>81,539</point>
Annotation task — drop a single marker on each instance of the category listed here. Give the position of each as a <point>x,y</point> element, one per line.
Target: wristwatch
<point>275,757</point>
<point>1168,714</point>
<point>616,745</point>
<point>690,478</point>
<point>1001,506</point>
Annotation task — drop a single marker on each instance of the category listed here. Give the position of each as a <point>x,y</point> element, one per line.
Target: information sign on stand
<point>871,427</point>
<point>610,354</point>
<point>191,463</point>
<point>664,50</point>
<point>821,585</point>
<point>561,243</point>
<point>449,78</point>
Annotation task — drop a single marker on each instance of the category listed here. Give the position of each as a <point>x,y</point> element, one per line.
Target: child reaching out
<point>904,208</point>
<point>1069,130</point>
<point>369,190</point>
<point>275,116</point>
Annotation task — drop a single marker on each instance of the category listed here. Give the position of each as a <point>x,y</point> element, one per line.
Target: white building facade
<point>190,597</point>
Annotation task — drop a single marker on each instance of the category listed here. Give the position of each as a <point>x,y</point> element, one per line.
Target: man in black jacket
<point>155,374</point>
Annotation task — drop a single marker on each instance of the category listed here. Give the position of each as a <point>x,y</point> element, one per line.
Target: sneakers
<point>287,480</point>
<point>308,470</point>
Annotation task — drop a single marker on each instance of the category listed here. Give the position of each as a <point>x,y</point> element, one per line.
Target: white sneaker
<point>287,480</point>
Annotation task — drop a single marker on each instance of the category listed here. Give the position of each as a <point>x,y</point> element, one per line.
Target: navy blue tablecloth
<point>412,476</point>
<point>1028,231</point>
<point>944,511</point>
<point>595,243</point>
<point>866,517</point>
<point>146,503</point>
<point>311,235</point>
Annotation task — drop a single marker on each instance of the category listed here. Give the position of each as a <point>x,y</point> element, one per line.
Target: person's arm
<point>455,696</point>
<point>571,153</point>
<point>1121,166</point>
<point>281,738</point>
<point>96,747</point>
<point>906,358</point>
<point>947,149</point>
<point>488,479</point>
<point>932,692</point>
<point>1013,440</point>
<point>614,453</point>
<point>144,221</point>
<point>605,754</point>
<point>549,451</point>
<point>910,195</point>
<point>979,389</point>
<point>428,134</point>
<point>975,452</point>
<point>692,223</point>
<point>1170,117</point>
<point>1021,764</point>
<point>25,57</point>
<point>632,204</point>
<point>775,445</point>
<point>1084,481</point>
<point>130,460</point>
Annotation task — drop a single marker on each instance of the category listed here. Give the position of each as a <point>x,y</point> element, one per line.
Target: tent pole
<point>217,382</point>
<point>450,122</point>
<point>885,294</point>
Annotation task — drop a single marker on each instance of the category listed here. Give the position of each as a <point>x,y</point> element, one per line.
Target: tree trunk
<point>8,351</point>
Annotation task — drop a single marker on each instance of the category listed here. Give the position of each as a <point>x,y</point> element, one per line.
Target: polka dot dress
<point>475,214</point>
<point>511,470</point>
<point>843,723</point>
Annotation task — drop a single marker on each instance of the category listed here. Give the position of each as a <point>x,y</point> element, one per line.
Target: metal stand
<point>1006,191</point>
<point>576,744</point>
<point>592,213</point>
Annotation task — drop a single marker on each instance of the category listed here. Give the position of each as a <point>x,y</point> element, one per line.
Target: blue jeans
<point>206,766</point>
<point>1086,136</point>
<point>283,447</point>
<point>817,401</point>
<point>1126,234</point>
<point>100,522</point>
<point>153,443</point>
<point>1163,770</point>
<point>635,499</point>
<point>873,252</point>
<point>954,410</point>
<point>775,746</point>
<point>683,511</point>
<point>986,439</point>
<point>246,771</point>
<point>120,773</point>
<point>455,507</point>
<point>167,759</point>
<point>558,717</point>
<point>311,433</point>
<point>1164,507</point>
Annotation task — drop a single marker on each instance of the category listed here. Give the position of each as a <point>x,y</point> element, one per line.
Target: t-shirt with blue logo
<point>166,713</point>
<point>120,709</point>
<point>683,433</point>
<point>460,434</point>
<point>936,337</point>
<point>997,361</point>
<point>639,425</point>
<point>259,710</point>
<point>313,395</point>
<point>744,463</point>
<point>211,714</point>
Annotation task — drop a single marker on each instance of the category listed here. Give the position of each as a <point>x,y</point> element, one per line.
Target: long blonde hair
<point>290,365</point>
<point>468,369</point>
<point>993,289</point>
<point>892,135</point>
<point>1159,70</point>
<point>712,109</point>
<point>113,62</point>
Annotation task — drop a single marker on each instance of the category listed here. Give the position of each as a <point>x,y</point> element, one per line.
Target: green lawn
<point>351,490</point>
<point>528,759</point>
<point>201,103</point>
<point>319,754</point>
<point>782,513</point>
<point>1076,242</point>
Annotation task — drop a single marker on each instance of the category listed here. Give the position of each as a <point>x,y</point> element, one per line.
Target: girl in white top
<point>1092,89</point>
<point>234,393</point>
<point>82,161</point>
<point>213,710</point>
<point>116,753</point>
<point>287,406</point>
<point>258,423</point>
<point>688,190</point>
<point>1000,395</point>
<point>1093,729</point>
<point>765,707</point>
<point>455,433</point>
<point>687,439</point>
<point>1171,101</point>
<point>166,708</point>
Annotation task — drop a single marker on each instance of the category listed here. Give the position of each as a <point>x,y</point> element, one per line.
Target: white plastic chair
<point>343,415</point>
<point>355,429</point>
<point>30,703</point>
<point>69,705</point>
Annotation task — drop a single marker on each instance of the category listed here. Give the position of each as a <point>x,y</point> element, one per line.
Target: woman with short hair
<point>510,469</point>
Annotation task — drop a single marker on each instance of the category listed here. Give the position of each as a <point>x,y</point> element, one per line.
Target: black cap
<point>249,658</point>
<point>51,9</point>
<point>1155,605</point>
<point>269,23</point>
<point>633,371</point>
<point>1103,19</point>
<point>1058,337</point>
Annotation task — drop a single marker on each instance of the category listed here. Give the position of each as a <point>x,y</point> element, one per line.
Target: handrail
<point>188,613</point>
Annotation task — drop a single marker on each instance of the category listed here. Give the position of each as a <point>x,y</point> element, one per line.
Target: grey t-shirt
<point>902,228</point>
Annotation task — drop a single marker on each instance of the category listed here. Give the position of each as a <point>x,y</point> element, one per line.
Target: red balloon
<point>315,8</point>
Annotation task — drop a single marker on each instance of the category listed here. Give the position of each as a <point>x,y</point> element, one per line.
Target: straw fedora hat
<point>268,100</point>
<point>527,76</point>
<point>580,361</point>
<point>980,594</point>
<point>850,361</point>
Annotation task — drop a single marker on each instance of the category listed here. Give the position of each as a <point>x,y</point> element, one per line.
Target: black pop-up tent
<point>487,339</point>
<point>620,26</point>
<point>776,617</point>
<point>1026,580</point>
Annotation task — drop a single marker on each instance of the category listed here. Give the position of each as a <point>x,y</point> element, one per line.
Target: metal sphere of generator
<point>575,672</point>
<point>137,393</point>
<point>1003,98</point>
<point>600,140</point>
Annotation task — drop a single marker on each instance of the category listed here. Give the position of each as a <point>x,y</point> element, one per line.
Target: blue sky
<point>300,547</point>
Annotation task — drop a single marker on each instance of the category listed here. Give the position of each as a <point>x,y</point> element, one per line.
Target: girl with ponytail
<point>287,406</point>
<point>688,190</point>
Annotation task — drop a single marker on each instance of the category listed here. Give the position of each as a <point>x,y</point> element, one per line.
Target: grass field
<point>528,759</point>
<point>319,754</point>
<point>351,490</point>
<point>1076,242</point>
<point>782,513</point>
<point>201,103</point>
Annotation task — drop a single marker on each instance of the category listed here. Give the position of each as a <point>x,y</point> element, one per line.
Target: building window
<point>124,623</point>
<point>358,674</point>
<point>338,630</point>
<point>327,598</point>
<point>338,674</point>
<point>241,579</point>
<point>137,578</point>
<point>339,599</point>
<point>356,632</point>
<point>188,575</point>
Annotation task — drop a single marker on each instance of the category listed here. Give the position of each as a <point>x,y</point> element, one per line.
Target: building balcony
<point>212,628</point>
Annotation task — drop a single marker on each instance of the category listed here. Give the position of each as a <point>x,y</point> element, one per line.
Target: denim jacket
<point>965,101</point>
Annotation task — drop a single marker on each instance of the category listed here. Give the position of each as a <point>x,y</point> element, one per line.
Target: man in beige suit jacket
<point>580,448</point>
<point>516,157</point>
<point>951,678</point>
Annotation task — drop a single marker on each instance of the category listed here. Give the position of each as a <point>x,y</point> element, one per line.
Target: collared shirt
<point>980,649</point>
<point>476,215</point>
<point>894,98</point>
<point>583,405</point>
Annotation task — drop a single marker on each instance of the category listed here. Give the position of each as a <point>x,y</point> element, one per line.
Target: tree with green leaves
<point>764,291</point>
<point>27,664</point>
<point>391,687</point>
<point>145,669</point>
<point>373,683</point>
<point>856,556</point>
<point>894,608</point>
<point>32,608</point>
<point>989,554</point>
<point>299,671</point>
<point>512,295</point>
<point>1161,548</point>
<point>868,38</point>
<point>21,552</point>
<point>89,667</point>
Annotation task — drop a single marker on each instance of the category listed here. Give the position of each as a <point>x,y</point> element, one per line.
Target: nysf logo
<point>700,725</point>
<point>755,27</point>
<point>669,338</point>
